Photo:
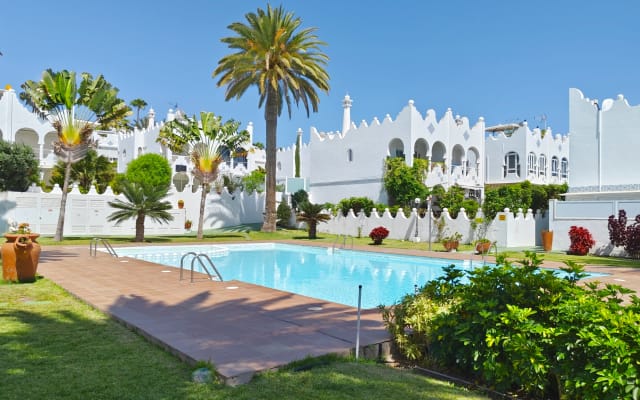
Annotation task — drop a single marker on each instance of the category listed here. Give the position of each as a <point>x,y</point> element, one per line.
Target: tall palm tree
<point>74,111</point>
<point>138,104</point>
<point>204,141</point>
<point>143,201</point>
<point>312,215</point>
<point>284,65</point>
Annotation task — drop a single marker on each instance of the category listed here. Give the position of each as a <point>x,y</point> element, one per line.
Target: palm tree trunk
<point>203,199</point>
<point>312,229</point>
<point>140,227</point>
<point>63,199</point>
<point>271,119</point>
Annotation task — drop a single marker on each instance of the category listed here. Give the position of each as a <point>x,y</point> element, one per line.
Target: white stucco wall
<point>524,141</point>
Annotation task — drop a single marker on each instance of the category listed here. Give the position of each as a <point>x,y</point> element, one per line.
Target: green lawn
<point>252,232</point>
<point>53,346</point>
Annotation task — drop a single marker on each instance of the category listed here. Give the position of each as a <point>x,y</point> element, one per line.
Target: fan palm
<point>284,65</point>
<point>142,201</point>
<point>138,104</point>
<point>204,141</point>
<point>74,111</point>
<point>312,215</point>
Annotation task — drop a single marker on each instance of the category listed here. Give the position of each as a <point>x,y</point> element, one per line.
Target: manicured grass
<point>53,346</point>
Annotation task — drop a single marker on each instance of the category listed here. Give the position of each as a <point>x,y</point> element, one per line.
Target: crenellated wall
<point>507,229</point>
<point>87,214</point>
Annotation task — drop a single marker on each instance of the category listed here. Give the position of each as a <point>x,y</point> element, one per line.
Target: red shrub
<point>379,233</point>
<point>581,240</point>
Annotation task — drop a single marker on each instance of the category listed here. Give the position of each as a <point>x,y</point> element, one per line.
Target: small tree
<point>143,200</point>
<point>581,240</point>
<point>312,215</point>
<point>284,214</point>
<point>254,181</point>
<point>149,168</point>
<point>18,167</point>
<point>618,228</point>
<point>299,197</point>
<point>91,170</point>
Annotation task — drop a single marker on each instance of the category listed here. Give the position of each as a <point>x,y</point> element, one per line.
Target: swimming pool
<point>316,272</point>
<point>311,271</point>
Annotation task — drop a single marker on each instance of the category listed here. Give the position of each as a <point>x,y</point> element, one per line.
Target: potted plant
<point>452,241</point>
<point>20,254</point>
<point>187,224</point>
<point>378,234</point>
<point>483,245</point>
<point>180,203</point>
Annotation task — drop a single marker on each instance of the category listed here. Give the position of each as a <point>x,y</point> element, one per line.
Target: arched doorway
<point>396,148</point>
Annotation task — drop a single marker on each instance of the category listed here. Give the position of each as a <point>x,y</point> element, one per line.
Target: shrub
<point>151,169</point>
<point>356,204</point>
<point>524,330</point>
<point>581,240</point>
<point>283,213</point>
<point>632,239</point>
<point>378,234</point>
<point>618,228</point>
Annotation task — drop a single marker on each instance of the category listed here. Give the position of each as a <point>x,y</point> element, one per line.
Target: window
<point>542,165</point>
<point>512,164</point>
<point>350,155</point>
<point>555,166</point>
<point>279,166</point>
<point>532,164</point>
<point>564,168</point>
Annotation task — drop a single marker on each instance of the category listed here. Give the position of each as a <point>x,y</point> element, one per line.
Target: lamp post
<point>429,217</point>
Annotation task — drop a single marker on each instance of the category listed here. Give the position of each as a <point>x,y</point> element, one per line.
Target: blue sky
<point>503,60</point>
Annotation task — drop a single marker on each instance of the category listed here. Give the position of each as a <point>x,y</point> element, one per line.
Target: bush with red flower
<point>581,240</point>
<point>379,233</point>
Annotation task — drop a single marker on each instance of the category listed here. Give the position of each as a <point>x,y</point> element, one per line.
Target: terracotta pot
<point>483,247</point>
<point>20,255</point>
<point>547,240</point>
<point>451,245</point>
<point>180,204</point>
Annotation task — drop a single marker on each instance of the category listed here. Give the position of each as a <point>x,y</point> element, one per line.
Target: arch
<point>240,157</point>
<point>532,164</point>
<point>473,158</point>
<point>28,137</point>
<point>457,156</point>
<point>49,139</point>
<point>350,155</point>
<point>438,152</point>
<point>396,148</point>
<point>180,180</point>
<point>420,149</point>
<point>511,164</point>
<point>139,151</point>
<point>542,165</point>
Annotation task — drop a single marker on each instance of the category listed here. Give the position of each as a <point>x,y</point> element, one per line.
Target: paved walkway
<point>241,328</point>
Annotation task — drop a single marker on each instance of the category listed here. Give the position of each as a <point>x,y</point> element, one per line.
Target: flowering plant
<point>19,228</point>
<point>581,240</point>
<point>379,233</point>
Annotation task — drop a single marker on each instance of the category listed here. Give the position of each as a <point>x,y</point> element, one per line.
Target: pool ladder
<point>495,246</point>
<point>93,247</point>
<point>199,257</point>
<point>344,242</point>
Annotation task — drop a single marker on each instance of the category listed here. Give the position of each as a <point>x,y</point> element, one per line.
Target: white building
<point>18,124</point>
<point>514,153</point>
<point>350,162</point>
<point>604,175</point>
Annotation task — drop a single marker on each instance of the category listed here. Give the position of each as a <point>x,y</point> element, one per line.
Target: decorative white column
<point>346,115</point>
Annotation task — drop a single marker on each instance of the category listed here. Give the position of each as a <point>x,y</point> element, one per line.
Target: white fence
<point>86,214</point>
<point>507,229</point>
<point>592,215</point>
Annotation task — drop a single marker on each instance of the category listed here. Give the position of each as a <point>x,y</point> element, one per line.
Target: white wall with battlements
<point>507,229</point>
<point>87,214</point>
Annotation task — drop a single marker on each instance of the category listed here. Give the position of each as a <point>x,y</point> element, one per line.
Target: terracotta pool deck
<point>241,328</point>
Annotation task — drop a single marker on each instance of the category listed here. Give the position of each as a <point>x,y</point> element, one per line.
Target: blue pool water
<point>316,272</point>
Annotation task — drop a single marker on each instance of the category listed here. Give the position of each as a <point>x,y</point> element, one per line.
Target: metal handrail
<point>344,241</point>
<point>93,247</point>
<point>199,256</point>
